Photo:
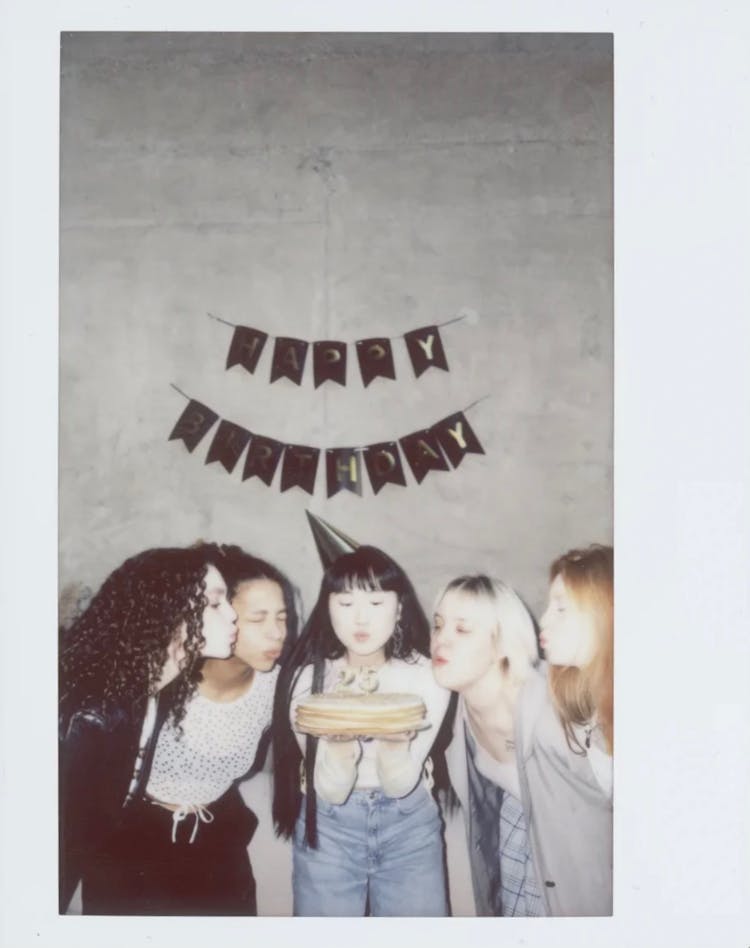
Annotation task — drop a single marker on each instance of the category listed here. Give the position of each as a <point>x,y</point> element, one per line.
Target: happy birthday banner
<point>329,357</point>
<point>439,448</point>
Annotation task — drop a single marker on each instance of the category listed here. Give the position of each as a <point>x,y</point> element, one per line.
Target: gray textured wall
<point>337,186</point>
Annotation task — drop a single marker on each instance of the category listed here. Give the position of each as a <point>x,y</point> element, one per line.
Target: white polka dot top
<point>218,745</point>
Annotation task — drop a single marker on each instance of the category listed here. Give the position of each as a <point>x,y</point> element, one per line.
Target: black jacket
<point>97,756</point>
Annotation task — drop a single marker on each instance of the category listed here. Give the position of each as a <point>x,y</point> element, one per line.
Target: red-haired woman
<point>565,737</point>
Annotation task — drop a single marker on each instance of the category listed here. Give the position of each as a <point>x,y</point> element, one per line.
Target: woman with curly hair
<point>148,626</point>
<point>366,829</point>
<point>565,737</point>
<point>202,866</point>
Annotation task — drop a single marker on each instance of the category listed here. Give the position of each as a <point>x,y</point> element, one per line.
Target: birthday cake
<point>359,714</point>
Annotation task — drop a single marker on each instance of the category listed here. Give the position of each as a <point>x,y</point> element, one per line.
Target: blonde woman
<point>484,648</point>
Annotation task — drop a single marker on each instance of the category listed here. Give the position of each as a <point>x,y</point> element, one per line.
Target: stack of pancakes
<point>352,715</point>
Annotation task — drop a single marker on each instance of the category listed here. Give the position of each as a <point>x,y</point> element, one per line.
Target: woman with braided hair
<point>153,620</point>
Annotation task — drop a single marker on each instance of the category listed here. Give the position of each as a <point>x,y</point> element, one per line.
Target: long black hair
<point>366,568</point>
<point>113,653</point>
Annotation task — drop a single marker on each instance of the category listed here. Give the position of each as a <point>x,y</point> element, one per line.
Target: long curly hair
<point>579,693</point>
<point>114,652</point>
<point>366,568</point>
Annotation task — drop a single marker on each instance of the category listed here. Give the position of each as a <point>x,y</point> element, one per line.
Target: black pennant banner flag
<point>425,349</point>
<point>329,362</point>
<point>193,424</point>
<point>262,458</point>
<point>375,355</point>
<point>343,470</point>
<point>423,453</point>
<point>289,359</point>
<point>229,442</point>
<point>299,467</point>
<point>375,359</point>
<point>384,465</point>
<point>430,449</point>
<point>457,438</point>
<point>247,345</point>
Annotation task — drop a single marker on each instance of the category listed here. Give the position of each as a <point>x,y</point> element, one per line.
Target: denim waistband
<point>364,796</point>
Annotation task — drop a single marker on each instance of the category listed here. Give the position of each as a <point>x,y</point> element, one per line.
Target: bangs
<point>365,569</point>
<point>369,582</point>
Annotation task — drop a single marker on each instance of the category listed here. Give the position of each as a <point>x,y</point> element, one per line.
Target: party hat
<point>331,543</point>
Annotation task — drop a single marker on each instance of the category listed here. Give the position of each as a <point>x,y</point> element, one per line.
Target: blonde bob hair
<point>514,627</point>
<point>581,693</point>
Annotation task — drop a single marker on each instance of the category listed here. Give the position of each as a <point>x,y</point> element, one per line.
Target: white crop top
<point>219,743</point>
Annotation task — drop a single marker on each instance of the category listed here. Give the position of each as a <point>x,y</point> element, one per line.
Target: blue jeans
<point>373,846</point>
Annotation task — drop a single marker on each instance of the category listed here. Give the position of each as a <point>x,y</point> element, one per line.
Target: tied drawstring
<point>201,814</point>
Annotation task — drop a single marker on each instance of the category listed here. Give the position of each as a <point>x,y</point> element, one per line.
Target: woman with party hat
<point>364,823</point>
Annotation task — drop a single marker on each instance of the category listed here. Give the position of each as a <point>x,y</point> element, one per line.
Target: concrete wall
<point>337,186</point>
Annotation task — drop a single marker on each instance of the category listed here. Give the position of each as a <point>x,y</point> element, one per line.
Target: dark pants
<point>141,871</point>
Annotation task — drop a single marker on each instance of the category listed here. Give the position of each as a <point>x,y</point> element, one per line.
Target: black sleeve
<point>87,808</point>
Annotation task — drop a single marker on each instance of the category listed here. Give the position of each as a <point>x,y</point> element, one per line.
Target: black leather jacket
<point>97,755</point>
